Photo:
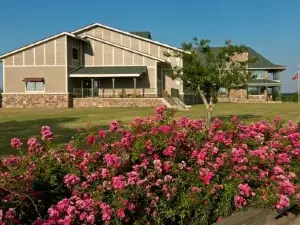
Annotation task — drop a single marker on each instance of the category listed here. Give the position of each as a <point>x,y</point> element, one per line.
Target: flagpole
<point>298,80</point>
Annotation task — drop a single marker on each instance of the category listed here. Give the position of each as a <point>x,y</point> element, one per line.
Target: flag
<point>297,76</point>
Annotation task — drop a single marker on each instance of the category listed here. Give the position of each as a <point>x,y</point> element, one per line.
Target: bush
<point>157,171</point>
<point>289,97</point>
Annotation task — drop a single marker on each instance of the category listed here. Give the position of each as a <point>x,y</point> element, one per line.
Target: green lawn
<point>27,122</point>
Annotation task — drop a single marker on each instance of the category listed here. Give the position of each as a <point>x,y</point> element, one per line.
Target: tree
<point>205,70</point>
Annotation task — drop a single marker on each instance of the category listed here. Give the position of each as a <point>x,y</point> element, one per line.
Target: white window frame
<point>35,91</point>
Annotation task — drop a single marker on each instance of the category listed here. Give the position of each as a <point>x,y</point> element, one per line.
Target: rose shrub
<point>157,171</point>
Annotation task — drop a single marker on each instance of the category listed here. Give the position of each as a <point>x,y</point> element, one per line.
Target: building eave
<point>40,42</point>
<point>127,33</point>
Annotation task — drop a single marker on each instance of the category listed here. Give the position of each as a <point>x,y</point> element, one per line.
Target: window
<point>75,53</point>
<point>34,84</point>
<point>259,74</point>
<point>256,90</point>
<point>222,91</point>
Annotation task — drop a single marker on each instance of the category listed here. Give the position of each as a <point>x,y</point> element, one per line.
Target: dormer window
<point>75,53</point>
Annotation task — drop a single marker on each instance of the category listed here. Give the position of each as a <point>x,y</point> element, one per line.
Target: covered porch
<point>112,82</point>
<point>264,89</point>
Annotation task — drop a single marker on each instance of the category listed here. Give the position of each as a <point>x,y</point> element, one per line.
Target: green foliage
<point>205,69</point>
<point>289,97</point>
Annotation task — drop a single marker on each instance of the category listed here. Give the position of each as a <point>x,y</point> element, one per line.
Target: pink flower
<point>157,165</point>
<point>112,160</point>
<point>10,214</point>
<point>206,175</point>
<point>284,202</point>
<point>104,173</point>
<point>32,145</point>
<point>47,134</point>
<point>283,158</point>
<point>131,206</point>
<point>234,119</point>
<point>102,134</point>
<point>16,143</point>
<point>90,219</point>
<point>11,161</point>
<point>169,151</point>
<point>114,126</point>
<point>287,187</point>
<point>118,182</point>
<point>121,213</point>
<point>165,129</point>
<point>149,147</point>
<point>239,201</point>
<point>71,179</point>
<point>196,189</point>
<point>244,189</point>
<point>91,139</point>
<point>278,170</point>
<point>106,211</point>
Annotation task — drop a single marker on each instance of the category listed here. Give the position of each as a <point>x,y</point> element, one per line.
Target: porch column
<point>81,87</point>
<point>266,93</point>
<point>134,84</point>
<point>113,86</point>
<point>279,93</point>
<point>92,80</point>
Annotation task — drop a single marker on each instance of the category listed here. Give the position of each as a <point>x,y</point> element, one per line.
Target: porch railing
<point>114,93</point>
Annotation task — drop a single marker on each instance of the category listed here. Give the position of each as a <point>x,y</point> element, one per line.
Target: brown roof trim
<point>40,42</point>
<point>33,79</point>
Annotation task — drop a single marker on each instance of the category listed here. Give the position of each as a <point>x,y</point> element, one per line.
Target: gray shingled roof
<point>260,63</point>
<point>263,82</point>
<point>143,34</point>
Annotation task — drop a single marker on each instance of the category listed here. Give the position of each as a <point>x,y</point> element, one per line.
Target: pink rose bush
<point>154,171</point>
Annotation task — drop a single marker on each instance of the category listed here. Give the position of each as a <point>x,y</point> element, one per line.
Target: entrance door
<point>91,87</point>
<point>96,87</point>
<point>87,83</point>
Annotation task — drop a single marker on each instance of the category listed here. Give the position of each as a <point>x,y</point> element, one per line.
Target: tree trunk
<point>209,108</point>
<point>228,94</point>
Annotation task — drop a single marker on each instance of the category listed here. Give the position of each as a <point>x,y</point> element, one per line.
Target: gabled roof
<point>123,47</point>
<point>143,34</point>
<point>260,63</point>
<point>127,33</point>
<point>40,42</point>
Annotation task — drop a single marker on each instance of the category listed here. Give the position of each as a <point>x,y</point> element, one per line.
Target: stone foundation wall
<point>244,100</point>
<point>116,102</point>
<point>36,100</point>
<point>238,93</point>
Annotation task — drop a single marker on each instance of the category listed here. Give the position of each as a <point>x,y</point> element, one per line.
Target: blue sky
<point>271,27</point>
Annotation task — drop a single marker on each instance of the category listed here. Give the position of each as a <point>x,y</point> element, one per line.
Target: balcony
<point>114,93</point>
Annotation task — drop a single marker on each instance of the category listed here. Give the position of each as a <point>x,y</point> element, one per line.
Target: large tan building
<point>100,66</point>
<point>93,66</point>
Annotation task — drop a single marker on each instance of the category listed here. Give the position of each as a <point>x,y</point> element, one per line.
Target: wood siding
<point>54,78</point>
<point>113,55</point>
